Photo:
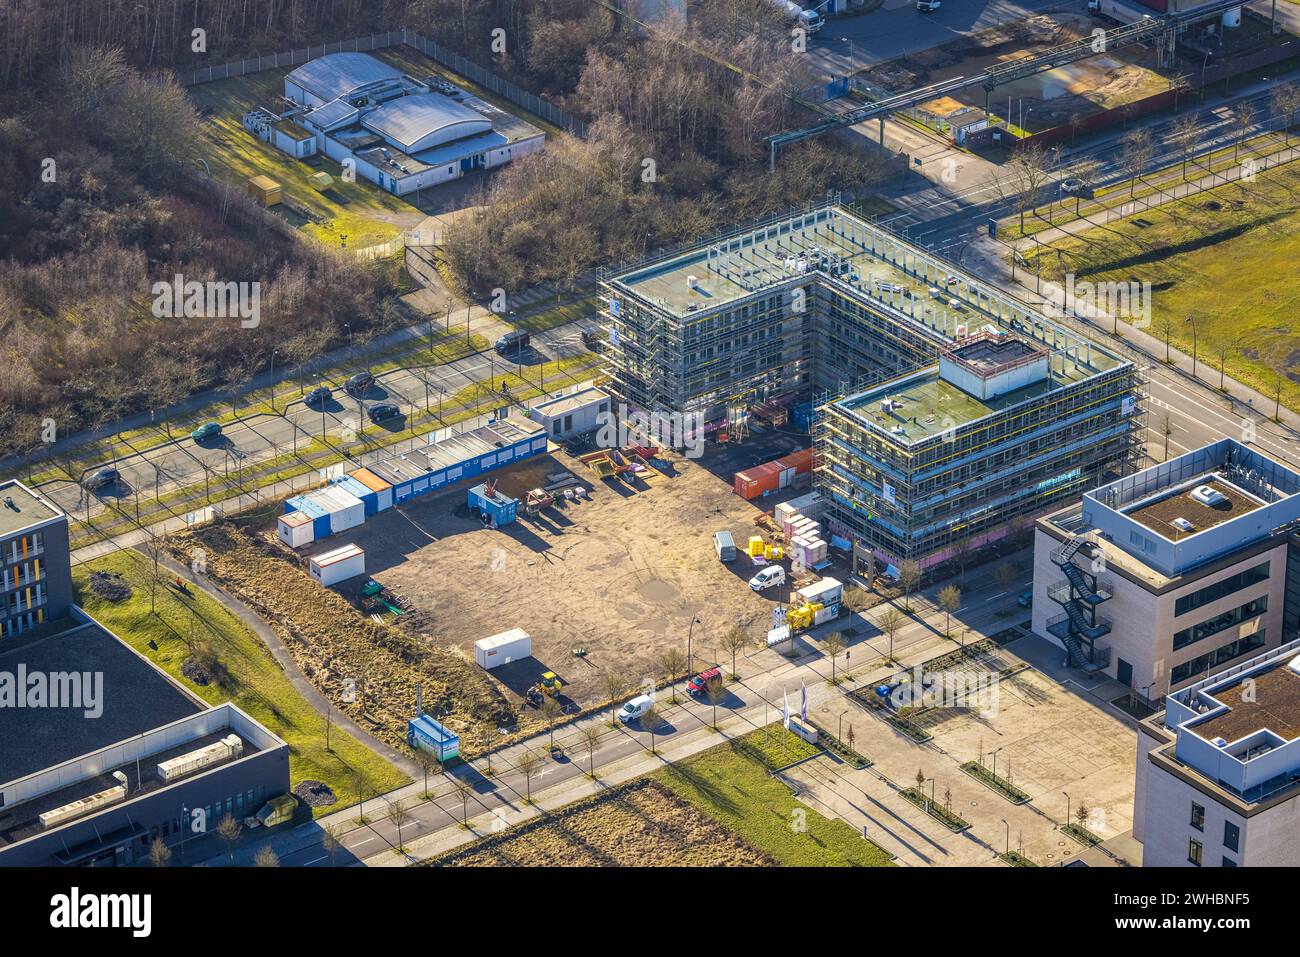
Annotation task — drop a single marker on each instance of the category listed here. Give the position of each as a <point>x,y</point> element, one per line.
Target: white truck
<point>810,20</point>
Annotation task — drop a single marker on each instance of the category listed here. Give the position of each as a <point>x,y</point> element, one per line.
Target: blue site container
<point>499,509</point>
<point>320,516</point>
<point>369,497</point>
<point>801,415</point>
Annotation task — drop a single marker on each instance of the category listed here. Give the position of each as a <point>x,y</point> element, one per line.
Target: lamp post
<point>274,353</point>
<point>1192,320</point>
<point>695,620</point>
<point>1067,806</point>
<point>839,731</point>
<point>1008,844</point>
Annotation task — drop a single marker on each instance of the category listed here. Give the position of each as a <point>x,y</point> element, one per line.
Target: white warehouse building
<point>401,133</point>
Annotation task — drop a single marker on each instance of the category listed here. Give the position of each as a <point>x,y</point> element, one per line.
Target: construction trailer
<point>264,190</point>
<point>352,498</point>
<point>425,734</point>
<point>503,648</point>
<point>920,446</point>
<point>337,565</point>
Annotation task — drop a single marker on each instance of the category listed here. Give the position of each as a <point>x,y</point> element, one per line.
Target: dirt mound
<point>314,793</point>
<point>110,586</point>
<point>368,670</point>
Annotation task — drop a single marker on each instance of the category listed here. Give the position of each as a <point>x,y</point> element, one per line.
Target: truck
<point>810,20</point>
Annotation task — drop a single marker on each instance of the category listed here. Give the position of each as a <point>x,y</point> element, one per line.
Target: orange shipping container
<point>801,461</point>
<point>754,482</point>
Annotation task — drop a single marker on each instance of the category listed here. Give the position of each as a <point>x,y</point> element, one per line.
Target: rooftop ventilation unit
<point>1294,665</point>
<point>1184,525</point>
<point>1219,743</point>
<point>1208,496</point>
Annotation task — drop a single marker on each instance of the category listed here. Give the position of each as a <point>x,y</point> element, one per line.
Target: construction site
<point>942,409</point>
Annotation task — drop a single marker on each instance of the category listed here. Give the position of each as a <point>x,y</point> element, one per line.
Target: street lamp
<point>1067,806</point>
<point>1192,320</point>
<point>695,620</point>
<point>274,353</point>
<point>1007,852</point>
<point>839,732</point>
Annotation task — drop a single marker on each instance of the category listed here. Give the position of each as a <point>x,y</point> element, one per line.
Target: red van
<point>698,684</point>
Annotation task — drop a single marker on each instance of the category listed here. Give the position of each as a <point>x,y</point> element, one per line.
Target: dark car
<point>206,432</point>
<point>318,395</point>
<point>360,383</point>
<point>103,478</point>
<point>515,341</point>
<point>384,411</point>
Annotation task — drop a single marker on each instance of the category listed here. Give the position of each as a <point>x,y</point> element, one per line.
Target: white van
<point>635,708</point>
<point>772,575</point>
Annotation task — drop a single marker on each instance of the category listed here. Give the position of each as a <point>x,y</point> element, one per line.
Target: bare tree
<point>949,602</point>
<point>160,855</point>
<point>1243,118</point>
<point>672,660</point>
<point>1139,148</point>
<point>889,621</point>
<point>734,641</point>
<point>834,647</point>
<point>1224,347</point>
<point>590,735</point>
<point>399,815</point>
<point>909,576</point>
<point>530,762</point>
<point>228,830</point>
<point>1185,132</point>
<point>855,599</point>
<point>266,858</point>
<point>1005,575</point>
<point>552,711</point>
<point>462,791</point>
<point>615,685</point>
<point>651,719</point>
<point>1021,179</point>
<point>330,841</point>
<point>1163,326</point>
<point>1286,103</point>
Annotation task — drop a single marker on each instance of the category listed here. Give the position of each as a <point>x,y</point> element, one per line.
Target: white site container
<point>503,648</point>
<point>810,506</point>
<point>337,565</point>
<point>295,529</point>
<point>828,591</point>
<point>345,509</point>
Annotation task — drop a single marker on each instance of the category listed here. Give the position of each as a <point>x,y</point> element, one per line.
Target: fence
<point>378,41</point>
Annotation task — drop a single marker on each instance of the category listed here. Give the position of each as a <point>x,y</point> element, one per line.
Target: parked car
<point>768,577</point>
<point>700,683</point>
<point>1073,186</point>
<point>384,411</point>
<point>515,341</point>
<point>1025,599</point>
<point>319,395</point>
<point>103,478</point>
<point>206,432</point>
<point>928,6</point>
<point>360,383</point>
<point>635,708</point>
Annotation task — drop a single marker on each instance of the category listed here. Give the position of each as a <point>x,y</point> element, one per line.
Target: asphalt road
<point>174,460</point>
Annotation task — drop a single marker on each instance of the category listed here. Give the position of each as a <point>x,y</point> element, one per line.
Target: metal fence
<point>391,38</point>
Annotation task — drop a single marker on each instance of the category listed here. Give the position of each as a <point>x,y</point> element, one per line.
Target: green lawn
<point>734,788</point>
<point>1225,256</point>
<point>361,211</point>
<point>257,685</point>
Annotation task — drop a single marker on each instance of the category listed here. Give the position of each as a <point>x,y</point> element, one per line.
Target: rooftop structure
<point>35,567</point>
<point>1141,513</point>
<point>422,121</point>
<point>340,75</point>
<point>1239,729</point>
<point>945,407</point>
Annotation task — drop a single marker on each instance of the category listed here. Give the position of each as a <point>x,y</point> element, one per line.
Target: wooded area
<point>676,148</point>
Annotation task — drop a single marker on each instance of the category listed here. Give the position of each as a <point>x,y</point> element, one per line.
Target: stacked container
<point>759,480</point>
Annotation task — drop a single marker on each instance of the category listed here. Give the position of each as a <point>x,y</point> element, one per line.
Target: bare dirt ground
<point>640,825</point>
<point>620,574</point>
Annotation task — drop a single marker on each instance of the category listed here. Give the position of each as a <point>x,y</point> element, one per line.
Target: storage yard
<point>617,574</point>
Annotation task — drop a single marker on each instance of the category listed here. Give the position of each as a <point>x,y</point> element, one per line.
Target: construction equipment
<point>550,683</point>
<point>536,501</point>
<point>599,462</point>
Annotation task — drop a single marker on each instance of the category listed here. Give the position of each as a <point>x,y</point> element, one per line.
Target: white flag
<point>785,713</point>
<point>803,704</point>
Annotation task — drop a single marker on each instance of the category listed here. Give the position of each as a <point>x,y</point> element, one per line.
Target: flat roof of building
<point>1159,514</point>
<point>1273,704</point>
<point>21,508</point>
<point>338,74</point>
<point>562,405</point>
<point>924,404</point>
<point>136,697</point>
<point>987,355</point>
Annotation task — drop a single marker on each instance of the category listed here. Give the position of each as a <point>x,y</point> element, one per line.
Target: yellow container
<point>756,546</point>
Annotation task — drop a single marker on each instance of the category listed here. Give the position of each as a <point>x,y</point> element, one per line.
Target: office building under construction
<point>945,409</point>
